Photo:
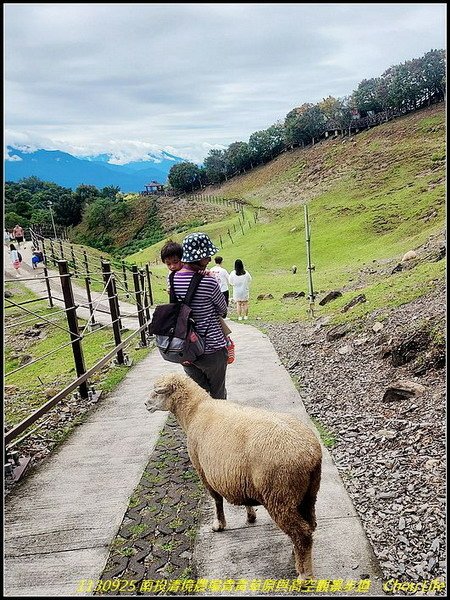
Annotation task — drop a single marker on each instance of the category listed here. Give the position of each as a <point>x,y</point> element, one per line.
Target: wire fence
<point>65,318</point>
<point>87,267</point>
<point>248,216</point>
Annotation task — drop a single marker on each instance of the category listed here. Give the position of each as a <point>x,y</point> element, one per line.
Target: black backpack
<point>174,327</point>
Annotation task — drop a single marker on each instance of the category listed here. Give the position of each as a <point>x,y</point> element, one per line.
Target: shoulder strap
<point>172,295</point>
<point>195,281</point>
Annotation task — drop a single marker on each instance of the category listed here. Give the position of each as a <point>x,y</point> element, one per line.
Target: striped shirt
<point>207,305</point>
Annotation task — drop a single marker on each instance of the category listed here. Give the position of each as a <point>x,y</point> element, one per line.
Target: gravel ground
<point>388,447</point>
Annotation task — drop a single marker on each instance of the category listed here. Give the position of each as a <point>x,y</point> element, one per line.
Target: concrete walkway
<point>60,521</point>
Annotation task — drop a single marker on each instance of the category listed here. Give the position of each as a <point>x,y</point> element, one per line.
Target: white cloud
<point>140,78</point>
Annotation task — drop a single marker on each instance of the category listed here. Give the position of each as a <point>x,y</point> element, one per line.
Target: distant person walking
<point>16,258</point>
<point>222,277</point>
<point>240,279</point>
<point>18,234</point>
<point>6,238</point>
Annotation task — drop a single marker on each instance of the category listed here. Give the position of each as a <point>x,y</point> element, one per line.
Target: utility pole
<point>310,267</point>
<point>53,222</point>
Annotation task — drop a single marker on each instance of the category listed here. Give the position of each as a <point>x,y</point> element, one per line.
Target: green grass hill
<point>371,198</point>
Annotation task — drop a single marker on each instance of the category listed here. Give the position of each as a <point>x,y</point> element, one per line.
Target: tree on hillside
<point>216,165</point>
<point>366,96</point>
<point>432,66</point>
<point>239,157</point>
<point>110,192</point>
<point>203,176</point>
<point>345,116</point>
<point>86,193</point>
<point>276,138</point>
<point>267,143</point>
<point>42,217</point>
<point>97,214</point>
<point>330,107</point>
<point>12,219</point>
<point>184,177</point>
<point>29,198</point>
<point>68,210</point>
<point>304,124</point>
<point>293,132</point>
<point>33,184</point>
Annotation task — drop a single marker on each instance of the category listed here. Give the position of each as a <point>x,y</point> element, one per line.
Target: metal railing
<point>77,336</point>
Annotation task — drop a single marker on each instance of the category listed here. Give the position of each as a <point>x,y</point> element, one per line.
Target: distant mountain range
<point>68,171</point>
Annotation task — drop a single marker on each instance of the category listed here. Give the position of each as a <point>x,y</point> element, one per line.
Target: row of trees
<point>400,89</point>
<point>32,201</point>
<point>100,214</point>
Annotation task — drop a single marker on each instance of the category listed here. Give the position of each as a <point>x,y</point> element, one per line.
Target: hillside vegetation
<point>371,198</point>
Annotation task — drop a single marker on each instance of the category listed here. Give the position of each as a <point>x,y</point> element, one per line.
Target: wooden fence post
<point>139,304</point>
<point>87,281</point>
<point>47,285</point>
<point>72,322</point>
<point>150,293</point>
<point>53,252</point>
<point>125,282</point>
<point>108,278</point>
<point>146,304</point>
<point>73,259</point>
<point>86,262</point>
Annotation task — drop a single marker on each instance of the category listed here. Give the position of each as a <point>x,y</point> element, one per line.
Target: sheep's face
<point>158,400</point>
<point>160,397</point>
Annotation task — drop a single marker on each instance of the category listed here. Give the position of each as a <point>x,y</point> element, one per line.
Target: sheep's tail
<point>307,507</point>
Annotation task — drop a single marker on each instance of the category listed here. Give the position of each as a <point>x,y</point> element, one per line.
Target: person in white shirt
<point>240,279</point>
<point>222,277</point>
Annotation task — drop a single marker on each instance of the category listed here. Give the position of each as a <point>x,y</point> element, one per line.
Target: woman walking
<point>208,304</point>
<point>240,279</point>
<point>16,258</point>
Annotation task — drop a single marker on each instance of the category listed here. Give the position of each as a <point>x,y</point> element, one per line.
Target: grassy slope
<point>370,199</point>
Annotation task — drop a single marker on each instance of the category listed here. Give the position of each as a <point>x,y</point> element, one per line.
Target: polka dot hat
<point>197,246</point>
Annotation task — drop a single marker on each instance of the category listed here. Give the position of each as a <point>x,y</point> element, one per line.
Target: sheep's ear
<point>165,388</point>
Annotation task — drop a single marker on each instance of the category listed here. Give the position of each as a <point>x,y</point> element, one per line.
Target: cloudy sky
<point>134,78</point>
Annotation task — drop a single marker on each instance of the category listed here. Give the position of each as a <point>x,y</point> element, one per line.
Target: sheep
<point>250,457</point>
<point>410,255</point>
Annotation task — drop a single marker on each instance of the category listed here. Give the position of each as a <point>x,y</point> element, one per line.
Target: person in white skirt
<point>240,280</point>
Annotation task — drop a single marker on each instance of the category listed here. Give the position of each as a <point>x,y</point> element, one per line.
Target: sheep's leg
<point>307,507</point>
<point>219,522</point>
<point>300,532</point>
<point>251,514</point>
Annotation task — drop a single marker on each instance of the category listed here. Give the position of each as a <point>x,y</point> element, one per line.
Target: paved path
<point>34,279</point>
<point>60,520</point>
